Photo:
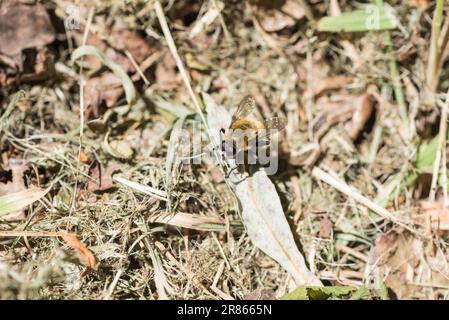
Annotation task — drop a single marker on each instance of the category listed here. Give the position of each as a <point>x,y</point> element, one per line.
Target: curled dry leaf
<point>262,213</point>
<point>85,255</point>
<point>363,110</point>
<point>119,149</point>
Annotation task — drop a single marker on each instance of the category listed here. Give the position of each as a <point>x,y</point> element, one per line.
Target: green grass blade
<point>371,19</point>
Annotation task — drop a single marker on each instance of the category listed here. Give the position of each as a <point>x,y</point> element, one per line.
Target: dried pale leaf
<point>268,228</point>
<point>85,255</point>
<point>128,86</point>
<point>19,200</point>
<point>160,279</point>
<point>262,211</point>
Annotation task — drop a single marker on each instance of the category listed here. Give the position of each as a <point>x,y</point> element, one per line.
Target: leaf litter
<point>160,228</point>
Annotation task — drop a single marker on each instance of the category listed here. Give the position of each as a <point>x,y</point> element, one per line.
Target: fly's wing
<point>273,125</point>
<point>247,110</point>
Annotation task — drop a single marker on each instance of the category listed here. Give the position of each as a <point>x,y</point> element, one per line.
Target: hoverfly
<point>248,129</point>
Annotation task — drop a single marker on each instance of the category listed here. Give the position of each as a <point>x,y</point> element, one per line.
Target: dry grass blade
<point>192,221</point>
<point>142,188</point>
<point>173,147</point>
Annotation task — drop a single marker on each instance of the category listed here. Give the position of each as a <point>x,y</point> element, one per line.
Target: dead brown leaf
<point>438,213</point>
<point>133,42</point>
<point>405,262</point>
<point>106,88</point>
<point>326,227</point>
<point>276,15</point>
<point>384,244</point>
<point>23,26</point>
<point>329,83</point>
<point>167,77</point>
<point>421,4</point>
<point>101,177</point>
<point>260,294</point>
<point>85,255</point>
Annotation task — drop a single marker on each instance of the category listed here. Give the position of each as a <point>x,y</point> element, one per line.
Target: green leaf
<point>382,289</point>
<point>319,293</point>
<point>362,293</point>
<point>128,86</point>
<point>372,18</point>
